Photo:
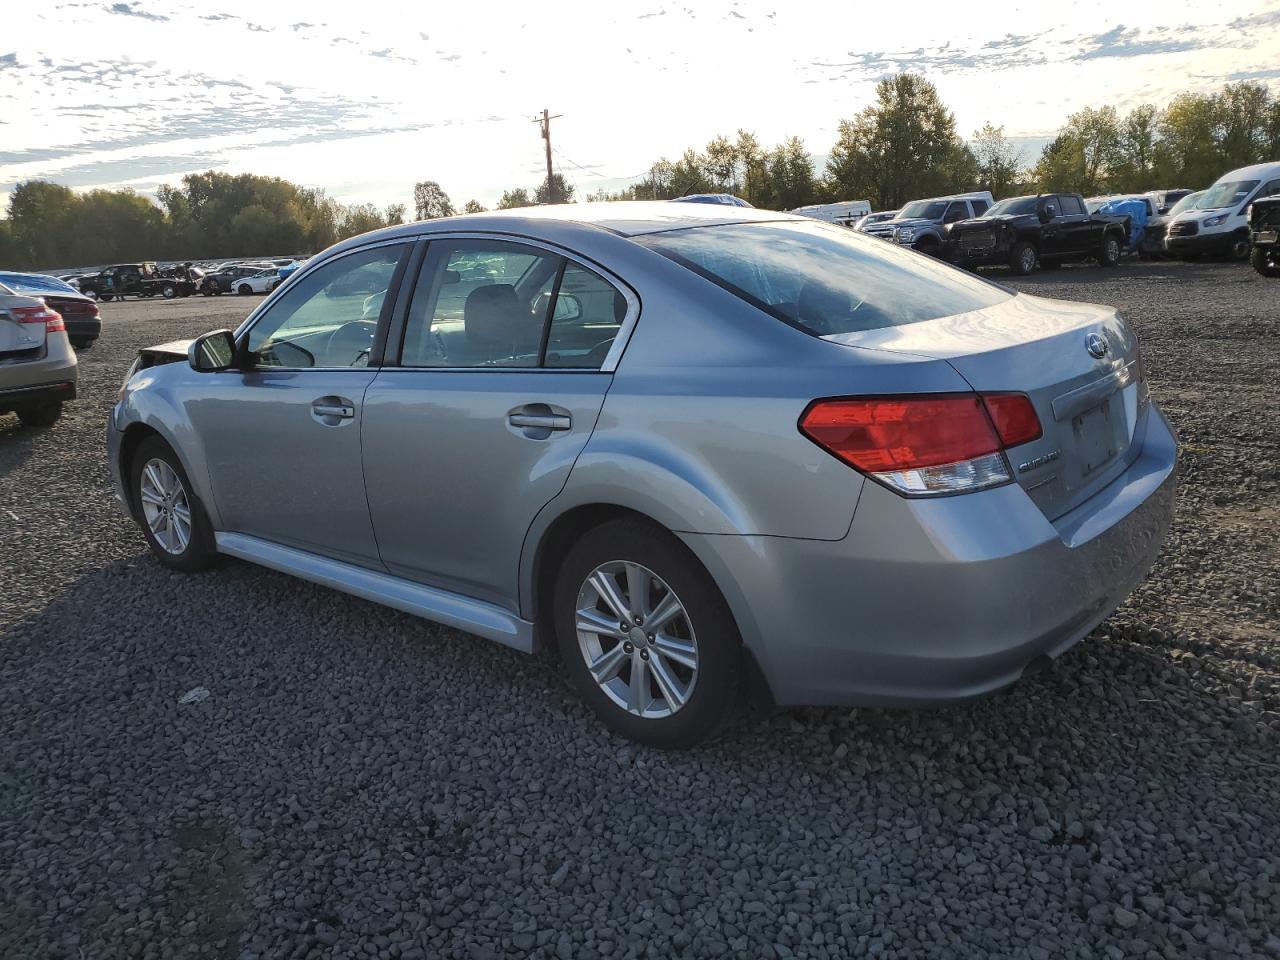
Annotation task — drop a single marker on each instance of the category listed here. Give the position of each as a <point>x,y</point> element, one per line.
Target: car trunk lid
<point>16,335</point>
<point>1078,363</point>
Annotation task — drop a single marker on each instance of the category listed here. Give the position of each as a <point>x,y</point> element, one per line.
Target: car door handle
<point>538,421</point>
<point>332,410</point>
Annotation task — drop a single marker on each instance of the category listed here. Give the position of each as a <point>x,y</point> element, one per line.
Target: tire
<point>82,344</point>
<point>707,694</point>
<point>194,553</point>
<point>168,291</point>
<point>1259,261</point>
<point>105,297</point>
<point>245,290</point>
<point>930,247</point>
<point>1240,249</point>
<point>1023,258</point>
<point>40,414</point>
<point>1109,251</point>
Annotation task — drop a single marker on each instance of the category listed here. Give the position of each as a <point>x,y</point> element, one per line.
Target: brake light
<point>925,443</point>
<point>1014,417</point>
<point>51,319</point>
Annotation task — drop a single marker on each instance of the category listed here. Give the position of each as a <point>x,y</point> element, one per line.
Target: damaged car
<point>1043,230</point>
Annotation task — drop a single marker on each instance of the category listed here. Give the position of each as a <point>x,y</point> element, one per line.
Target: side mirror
<point>212,352</point>
<point>1046,213</point>
<point>568,307</point>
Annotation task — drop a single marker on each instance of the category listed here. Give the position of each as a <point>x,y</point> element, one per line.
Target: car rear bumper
<point>87,329</point>
<point>57,392</point>
<point>931,600</point>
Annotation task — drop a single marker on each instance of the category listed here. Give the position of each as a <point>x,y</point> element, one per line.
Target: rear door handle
<point>539,421</point>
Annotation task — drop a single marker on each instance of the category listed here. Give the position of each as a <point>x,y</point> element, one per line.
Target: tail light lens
<point>925,444</point>
<point>51,319</point>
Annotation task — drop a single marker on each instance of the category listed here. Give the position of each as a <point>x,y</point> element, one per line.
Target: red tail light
<point>51,319</point>
<point>925,443</point>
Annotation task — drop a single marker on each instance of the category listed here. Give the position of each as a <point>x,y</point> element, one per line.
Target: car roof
<point>1258,171</point>
<point>627,218</point>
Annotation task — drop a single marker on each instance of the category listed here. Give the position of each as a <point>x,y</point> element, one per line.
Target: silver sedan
<point>701,450</point>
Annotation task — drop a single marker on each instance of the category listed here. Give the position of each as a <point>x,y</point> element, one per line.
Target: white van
<point>1219,220</point>
<point>846,212</point>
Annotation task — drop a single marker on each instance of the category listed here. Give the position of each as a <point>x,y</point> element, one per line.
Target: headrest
<point>492,316</point>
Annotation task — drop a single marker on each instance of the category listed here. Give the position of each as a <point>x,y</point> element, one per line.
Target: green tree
<point>789,178</point>
<point>1244,111</point>
<point>474,206</point>
<point>1135,161</point>
<point>555,190</point>
<point>42,220</point>
<point>430,202</point>
<point>1187,154</point>
<point>997,160</point>
<point>519,197</point>
<point>902,147</point>
<point>394,214</point>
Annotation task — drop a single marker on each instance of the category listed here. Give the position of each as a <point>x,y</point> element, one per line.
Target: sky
<point>363,99</point>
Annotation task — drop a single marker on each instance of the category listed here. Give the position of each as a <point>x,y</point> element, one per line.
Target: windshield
<point>34,286</point>
<point>823,279</point>
<point>1226,194</point>
<point>1014,206</point>
<point>923,210</point>
<point>1186,203</point>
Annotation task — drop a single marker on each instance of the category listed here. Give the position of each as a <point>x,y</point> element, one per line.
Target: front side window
<point>979,207</point>
<point>956,212</point>
<point>1071,206</point>
<point>822,279</point>
<point>327,318</point>
<point>923,210</point>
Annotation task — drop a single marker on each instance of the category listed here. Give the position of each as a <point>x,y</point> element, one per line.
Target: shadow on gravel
<point>355,773</point>
<point>18,442</point>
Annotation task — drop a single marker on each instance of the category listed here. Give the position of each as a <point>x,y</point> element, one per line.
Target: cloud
<point>131,10</point>
<point>1119,42</point>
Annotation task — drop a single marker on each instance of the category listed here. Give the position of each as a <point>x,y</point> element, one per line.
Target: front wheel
<point>646,637</point>
<point>1260,262</point>
<point>105,298</point>
<point>1240,248</point>
<point>1022,258</point>
<point>173,521</point>
<point>40,414</point>
<point>168,291</point>
<point>245,290</point>
<point>1109,252</point>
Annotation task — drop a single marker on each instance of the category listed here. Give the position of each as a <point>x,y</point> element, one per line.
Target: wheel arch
<point>555,536</point>
<point>150,423</point>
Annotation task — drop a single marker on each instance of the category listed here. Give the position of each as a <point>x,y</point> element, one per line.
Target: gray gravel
<point>362,784</point>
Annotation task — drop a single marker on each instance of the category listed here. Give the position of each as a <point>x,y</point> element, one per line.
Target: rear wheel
<point>1022,258</point>
<point>1109,252</point>
<point>245,290</point>
<point>40,414</point>
<point>1264,264</point>
<point>173,521</point>
<point>105,298</point>
<point>646,637</point>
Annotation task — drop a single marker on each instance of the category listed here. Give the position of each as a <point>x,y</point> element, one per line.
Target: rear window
<point>824,279</point>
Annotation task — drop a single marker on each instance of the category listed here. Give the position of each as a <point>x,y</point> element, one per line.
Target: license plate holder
<point>1097,439</point>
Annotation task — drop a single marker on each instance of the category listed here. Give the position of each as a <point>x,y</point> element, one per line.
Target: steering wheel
<point>353,339</point>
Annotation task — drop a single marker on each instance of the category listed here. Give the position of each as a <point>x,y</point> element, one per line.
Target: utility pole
<point>545,120</point>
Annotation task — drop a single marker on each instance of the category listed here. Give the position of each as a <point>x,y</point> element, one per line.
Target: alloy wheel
<point>637,639</point>
<point>1113,250</point>
<point>165,506</point>
<point>1028,260</point>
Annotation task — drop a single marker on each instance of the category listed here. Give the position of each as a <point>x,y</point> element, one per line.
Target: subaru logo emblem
<point>1096,345</point>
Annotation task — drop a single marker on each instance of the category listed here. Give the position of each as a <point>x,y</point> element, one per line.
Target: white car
<point>264,281</point>
<point>1219,221</point>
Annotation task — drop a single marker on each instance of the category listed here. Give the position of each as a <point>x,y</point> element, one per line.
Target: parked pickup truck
<point>922,224</point>
<point>1264,231</point>
<point>1044,230</point>
<point>142,280</point>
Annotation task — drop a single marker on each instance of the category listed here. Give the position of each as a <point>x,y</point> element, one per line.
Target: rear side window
<point>823,279</point>
<point>979,207</point>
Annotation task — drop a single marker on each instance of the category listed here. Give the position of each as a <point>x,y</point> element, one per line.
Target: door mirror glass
<point>212,352</point>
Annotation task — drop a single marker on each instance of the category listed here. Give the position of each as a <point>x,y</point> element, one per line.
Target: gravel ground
<point>363,784</point>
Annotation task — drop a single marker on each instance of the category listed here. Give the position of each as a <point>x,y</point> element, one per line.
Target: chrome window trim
<point>619,346</point>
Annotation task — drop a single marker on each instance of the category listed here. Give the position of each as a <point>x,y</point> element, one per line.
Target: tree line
<point>210,215</point>
<point>904,145</point>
